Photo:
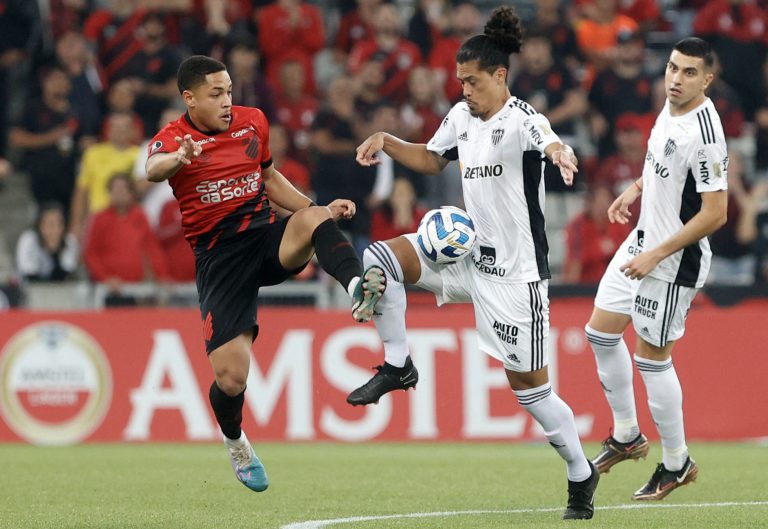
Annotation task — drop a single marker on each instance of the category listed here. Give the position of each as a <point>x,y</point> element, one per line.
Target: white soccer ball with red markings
<point>446,235</point>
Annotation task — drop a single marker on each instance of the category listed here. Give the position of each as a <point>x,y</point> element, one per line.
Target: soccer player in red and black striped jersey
<point>216,158</point>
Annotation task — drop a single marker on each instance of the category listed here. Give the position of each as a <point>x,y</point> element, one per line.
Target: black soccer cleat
<point>664,481</point>
<point>581,497</point>
<point>614,452</point>
<point>388,378</point>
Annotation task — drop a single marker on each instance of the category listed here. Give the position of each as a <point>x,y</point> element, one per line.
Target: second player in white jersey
<point>501,166</point>
<point>686,156</point>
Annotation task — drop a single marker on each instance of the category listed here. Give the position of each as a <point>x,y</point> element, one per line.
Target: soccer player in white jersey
<point>657,271</point>
<point>501,143</point>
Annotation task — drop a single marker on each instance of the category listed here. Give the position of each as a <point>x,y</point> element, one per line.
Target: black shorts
<point>228,279</point>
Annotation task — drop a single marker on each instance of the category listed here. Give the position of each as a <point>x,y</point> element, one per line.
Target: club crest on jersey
<point>156,147</point>
<point>496,136</point>
<point>252,148</point>
<point>669,148</point>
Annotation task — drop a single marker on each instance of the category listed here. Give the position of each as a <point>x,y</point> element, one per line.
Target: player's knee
<point>232,381</point>
<point>315,215</point>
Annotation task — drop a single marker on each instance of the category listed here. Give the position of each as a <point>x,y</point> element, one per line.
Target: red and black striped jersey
<point>221,193</point>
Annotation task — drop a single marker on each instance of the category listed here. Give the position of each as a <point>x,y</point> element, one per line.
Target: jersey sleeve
<point>262,126</point>
<point>708,159</point>
<point>537,133</point>
<point>163,141</point>
<point>444,142</point>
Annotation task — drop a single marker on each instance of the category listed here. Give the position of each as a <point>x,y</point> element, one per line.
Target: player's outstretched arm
<point>713,214</point>
<point>282,192</point>
<point>415,156</point>
<point>162,166</point>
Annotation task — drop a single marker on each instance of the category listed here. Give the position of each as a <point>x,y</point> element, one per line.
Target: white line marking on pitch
<point>319,524</point>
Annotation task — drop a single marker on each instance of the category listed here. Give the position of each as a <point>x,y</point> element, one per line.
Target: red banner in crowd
<point>142,375</point>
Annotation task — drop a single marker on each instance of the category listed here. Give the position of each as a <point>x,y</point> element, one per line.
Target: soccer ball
<point>446,235</point>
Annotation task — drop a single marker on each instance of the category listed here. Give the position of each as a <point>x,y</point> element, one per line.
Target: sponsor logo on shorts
<point>507,333</point>
<point>646,307</point>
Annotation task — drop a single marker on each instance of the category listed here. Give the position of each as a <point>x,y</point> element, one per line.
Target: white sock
<point>665,399</point>
<point>237,443</point>
<point>556,418</point>
<point>614,367</point>
<point>389,316</point>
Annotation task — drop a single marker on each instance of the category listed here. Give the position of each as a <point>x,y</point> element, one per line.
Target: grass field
<point>192,486</point>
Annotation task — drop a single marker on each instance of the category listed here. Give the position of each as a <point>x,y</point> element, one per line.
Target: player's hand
<point>567,162</point>
<point>619,212</point>
<point>341,208</point>
<point>366,152</point>
<point>188,149</point>
<point>641,266</point>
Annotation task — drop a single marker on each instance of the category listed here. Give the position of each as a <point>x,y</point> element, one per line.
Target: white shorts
<point>658,308</point>
<point>512,319</point>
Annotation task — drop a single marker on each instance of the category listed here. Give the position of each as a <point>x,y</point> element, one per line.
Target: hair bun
<point>504,29</point>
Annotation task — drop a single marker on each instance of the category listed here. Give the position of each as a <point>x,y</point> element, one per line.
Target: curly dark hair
<point>502,35</point>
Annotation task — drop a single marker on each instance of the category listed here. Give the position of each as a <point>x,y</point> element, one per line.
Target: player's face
<point>483,92</point>
<point>686,79</point>
<point>210,104</point>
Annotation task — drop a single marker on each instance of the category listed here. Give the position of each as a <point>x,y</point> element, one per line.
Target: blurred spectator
<point>153,195</point>
<point>424,110</point>
<point>78,61</point>
<point>115,155</point>
<point>761,140</point>
<point>18,21</point>
<point>646,13</point>
<point>48,134</point>
<point>618,171</point>
<point>295,109</point>
<point>67,15</point>
<point>114,34</point>
<point>465,23</point>
<point>624,87</point>
<point>152,73</point>
<point>120,246</point>
<point>591,240</point>
<point>179,258</point>
<point>727,103</point>
<point>5,172</point>
<point>598,33</point>
<point>733,260</point>
<point>356,26</point>
<point>547,85</point>
<point>47,252</point>
<point>396,54</point>
<point>399,215</point>
<point>121,99</point>
<point>551,18</point>
<point>737,31</point>
<point>249,89</point>
<point>333,143</point>
<point>290,30</point>
<point>430,20</point>
<point>368,82</point>
<point>295,172</point>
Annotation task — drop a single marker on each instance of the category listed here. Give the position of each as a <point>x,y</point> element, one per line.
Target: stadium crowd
<point>85,83</point>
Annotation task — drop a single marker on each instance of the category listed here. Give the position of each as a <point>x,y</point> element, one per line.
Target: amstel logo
<point>55,383</point>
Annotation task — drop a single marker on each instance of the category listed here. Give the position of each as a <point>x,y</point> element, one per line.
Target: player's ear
<point>708,78</point>
<point>189,98</point>
<point>501,75</point>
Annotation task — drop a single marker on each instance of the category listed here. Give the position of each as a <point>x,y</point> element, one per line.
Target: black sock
<point>335,253</point>
<point>228,410</point>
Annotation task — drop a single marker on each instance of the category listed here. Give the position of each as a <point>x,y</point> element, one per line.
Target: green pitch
<point>190,486</point>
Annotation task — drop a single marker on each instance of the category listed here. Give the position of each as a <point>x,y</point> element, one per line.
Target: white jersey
<point>502,168</point>
<point>686,156</point>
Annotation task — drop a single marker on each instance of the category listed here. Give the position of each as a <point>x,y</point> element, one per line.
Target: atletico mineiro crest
<point>496,136</point>
<point>669,148</point>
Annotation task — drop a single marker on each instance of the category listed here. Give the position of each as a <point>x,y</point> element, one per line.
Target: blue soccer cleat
<point>247,466</point>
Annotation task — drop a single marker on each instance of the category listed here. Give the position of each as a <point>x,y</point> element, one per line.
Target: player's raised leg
<point>614,368</point>
<point>398,260</point>
<point>230,364</point>
<point>314,230</point>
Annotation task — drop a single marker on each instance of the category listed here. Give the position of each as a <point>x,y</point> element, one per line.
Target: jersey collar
<point>191,124</point>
